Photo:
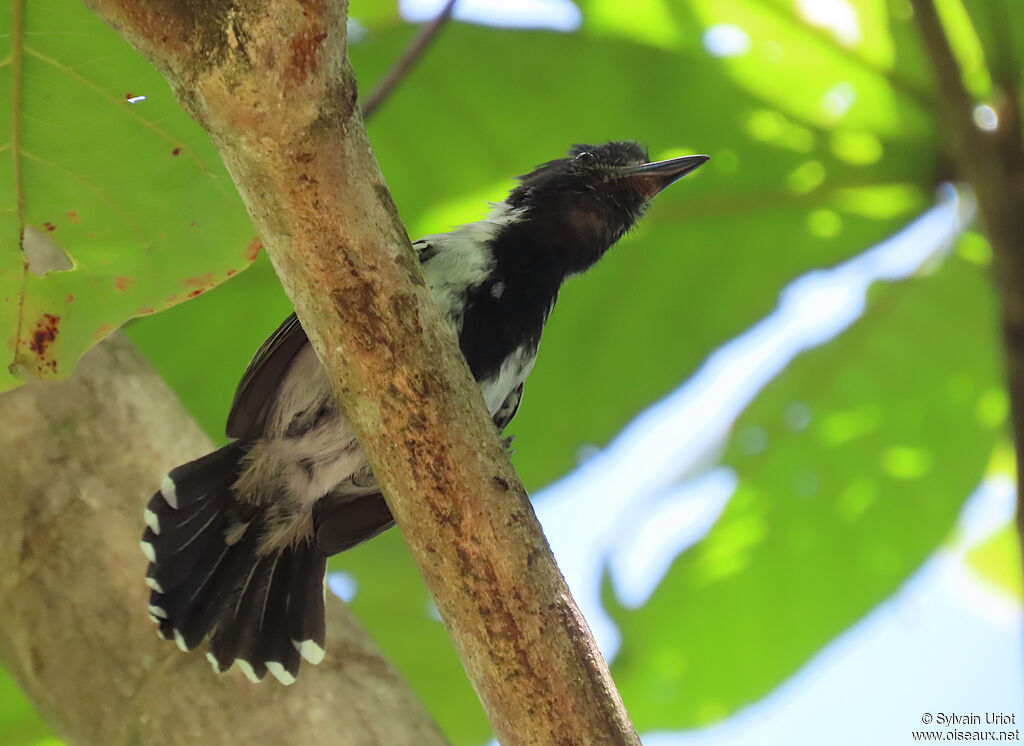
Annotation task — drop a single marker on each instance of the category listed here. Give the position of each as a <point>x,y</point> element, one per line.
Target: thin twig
<point>407,61</point>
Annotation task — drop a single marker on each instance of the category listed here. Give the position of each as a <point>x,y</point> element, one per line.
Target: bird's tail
<point>210,577</point>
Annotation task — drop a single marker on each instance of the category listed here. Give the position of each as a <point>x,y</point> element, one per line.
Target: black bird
<point>238,540</point>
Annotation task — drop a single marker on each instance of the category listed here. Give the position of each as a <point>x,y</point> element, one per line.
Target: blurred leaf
<point>394,605</point>
<point>372,15</point>
<point>19,723</point>
<point>997,560</point>
<point>1000,30</point>
<point>966,45</point>
<point>130,201</point>
<point>835,70</point>
<point>835,512</point>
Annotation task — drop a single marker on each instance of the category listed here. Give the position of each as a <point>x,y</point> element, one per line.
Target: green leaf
<point>997,560</point>
<point>394,605</point>
<point>129,201</point>
<point>966,46</point>
<point>19,723</point>
<point>832,515</point>
<point>999,26</point>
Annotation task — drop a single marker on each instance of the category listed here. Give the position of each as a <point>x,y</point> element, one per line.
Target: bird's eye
<point>584,156</point>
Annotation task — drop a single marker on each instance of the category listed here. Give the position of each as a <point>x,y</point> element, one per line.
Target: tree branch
<point>79,457</point>
<point>993,164</point>
<point>404,65</point>
<point>271,82</point>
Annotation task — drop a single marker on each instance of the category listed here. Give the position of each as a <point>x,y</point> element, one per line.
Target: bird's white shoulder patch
<point>463,259</point>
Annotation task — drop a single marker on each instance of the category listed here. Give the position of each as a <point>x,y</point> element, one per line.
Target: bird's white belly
<point>513,372</point>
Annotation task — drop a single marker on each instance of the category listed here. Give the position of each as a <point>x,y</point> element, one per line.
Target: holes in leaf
<point>725,40</point>
<point>838,99</point>
<point>343,585</point>
<point>752,439</point>
<point>42,252</point>
<point>797,416</point>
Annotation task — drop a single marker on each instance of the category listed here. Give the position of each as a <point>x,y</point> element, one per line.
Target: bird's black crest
<point>583,167</point>
<point>619,153</point>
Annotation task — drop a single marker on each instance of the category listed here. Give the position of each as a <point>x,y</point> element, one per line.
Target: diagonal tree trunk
<point>271,82</point>
<point>993,164</point>
<point>80,458</point>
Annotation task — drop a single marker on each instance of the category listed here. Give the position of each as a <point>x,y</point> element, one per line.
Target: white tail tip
<point>169,493</point>
<point>246,668</point>
<point>309,650</point>
<point>213,662</point>
<point>152,521</point>
<point>279,673</point>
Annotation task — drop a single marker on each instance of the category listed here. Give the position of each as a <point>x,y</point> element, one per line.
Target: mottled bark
<point>271,82</point>
<point>80,458</point>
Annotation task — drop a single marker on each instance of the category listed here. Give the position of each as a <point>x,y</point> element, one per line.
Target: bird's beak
<point>651,178</point>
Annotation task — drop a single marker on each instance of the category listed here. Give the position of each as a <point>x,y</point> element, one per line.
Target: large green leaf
<point>835,511</point>
<point>130,198</point>
<point>19,724</point>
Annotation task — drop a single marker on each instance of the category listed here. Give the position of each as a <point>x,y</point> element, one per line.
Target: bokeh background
<point>767,435</point>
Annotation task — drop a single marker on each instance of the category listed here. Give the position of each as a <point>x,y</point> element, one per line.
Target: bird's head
<point>586,201</point>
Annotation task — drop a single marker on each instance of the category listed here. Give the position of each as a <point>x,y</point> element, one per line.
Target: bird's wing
<point>342,521</point>
<point>256,390</point>
<point>508,408</point>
